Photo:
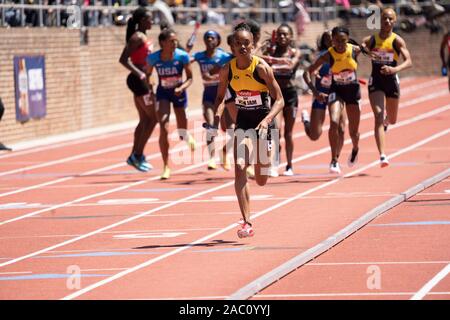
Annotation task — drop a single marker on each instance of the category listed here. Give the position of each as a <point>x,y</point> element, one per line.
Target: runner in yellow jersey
<point>344,91</point>
<point>252,82</point>
<point>385,48</point>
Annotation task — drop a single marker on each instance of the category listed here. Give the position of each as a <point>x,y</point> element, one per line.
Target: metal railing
<point>94,15</point>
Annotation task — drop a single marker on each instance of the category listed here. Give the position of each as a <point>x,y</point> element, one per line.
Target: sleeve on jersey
<point>151,58</point>
<point>225,59</point>
<point>196,56</point>
<point>185,57</point>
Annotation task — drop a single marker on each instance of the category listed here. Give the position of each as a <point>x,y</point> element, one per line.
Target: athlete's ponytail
<point>137,16</point>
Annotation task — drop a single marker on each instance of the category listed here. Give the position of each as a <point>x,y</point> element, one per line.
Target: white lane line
<point>123,187</point>
<point>363,117</point>
<point>373,263</point>
<point>356,294</point>
<point>18,272</point>
<point>118,129</point>
<point>298,295</point>
<point>184,199</point>
<point>106,232</point>
<point>419,295</point>
<point>254,216</point>
<point>312,154</point>
<point>107,269</point>
<point>146,213</point>
<point>81,136</point>
<point>279,272</point>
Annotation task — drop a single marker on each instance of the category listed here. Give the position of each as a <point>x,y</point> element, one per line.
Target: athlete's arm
<point>188,82</point>
<point>223,83</point>
<point>266,73</point>
<point>320,96</point>
<point>135,42</point>
<point>407,62</point>
<point>366,47</point>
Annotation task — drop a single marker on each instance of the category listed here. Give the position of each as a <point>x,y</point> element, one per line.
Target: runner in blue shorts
<point>169,63</point>
<point>313,124</point>
<point>210,62</point>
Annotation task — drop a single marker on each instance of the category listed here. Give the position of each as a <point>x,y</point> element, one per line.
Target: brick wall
<point>86,84</point>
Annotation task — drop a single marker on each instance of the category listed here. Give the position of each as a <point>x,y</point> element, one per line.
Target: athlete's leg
<point>208,115</point>
<point>289,114</point>
<point>182,124</point>
<point>163,111</point>
<point>145,106</point>
<point>335,109</point>
<point>231,107</point>
<point>227,126</point>
<point>353,115</point>
<point>392,109</point>
<point>313,128</point>
<point>377,103</point>
<point>263,163</point>
<point>241,187</point>
<point>341,132</point>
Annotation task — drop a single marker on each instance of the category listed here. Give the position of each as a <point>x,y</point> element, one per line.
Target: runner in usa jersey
<point>170,62</point>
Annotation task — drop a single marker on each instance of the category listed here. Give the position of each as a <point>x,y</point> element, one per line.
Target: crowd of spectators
<point>300,12</point>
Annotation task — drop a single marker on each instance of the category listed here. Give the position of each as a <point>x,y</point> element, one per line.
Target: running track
<point>78,223</point>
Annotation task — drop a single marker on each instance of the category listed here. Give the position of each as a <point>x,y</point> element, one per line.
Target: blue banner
<point>29,81</point>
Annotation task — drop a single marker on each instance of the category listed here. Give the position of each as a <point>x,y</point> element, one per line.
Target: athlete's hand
<point>321,97</point>
<point>262,128</point>
<point>386,70</point>
<point>178,91</point>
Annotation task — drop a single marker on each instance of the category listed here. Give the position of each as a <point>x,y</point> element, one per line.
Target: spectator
<point>301,17</point>
<point>2,110</point>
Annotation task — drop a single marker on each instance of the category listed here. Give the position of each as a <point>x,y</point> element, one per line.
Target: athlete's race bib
<point>325,81</point>
<point>382,56</point>
<point>171,82</point>
<point>345,77</point>
<point>248,99</point>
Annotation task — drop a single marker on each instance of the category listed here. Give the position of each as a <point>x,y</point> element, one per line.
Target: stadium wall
<point>86,85</point>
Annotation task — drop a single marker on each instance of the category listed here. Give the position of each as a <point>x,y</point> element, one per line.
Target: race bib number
<point>147,99</point>
<point>326,81</point>
<point>248,99</point>
<point>332,97</point>
<point>345,77</point>
<point>170,82</point>
<point>382,56</point>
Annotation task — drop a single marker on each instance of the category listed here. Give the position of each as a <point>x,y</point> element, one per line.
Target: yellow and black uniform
<point>386,53</point>
<point>285,77</point>
<point>344,84</point>
<point>252,98</point>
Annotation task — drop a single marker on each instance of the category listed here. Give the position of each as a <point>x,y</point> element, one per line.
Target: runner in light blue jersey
<point>210,61</point>
<point>169,63</point>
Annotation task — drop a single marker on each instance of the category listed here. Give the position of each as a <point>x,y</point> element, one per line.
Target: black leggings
<point>2,109</point>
